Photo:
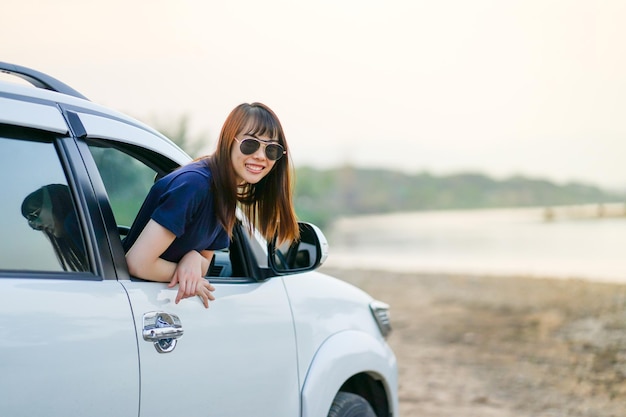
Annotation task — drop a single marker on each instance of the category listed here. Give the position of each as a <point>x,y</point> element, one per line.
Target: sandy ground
<point>503,346</point>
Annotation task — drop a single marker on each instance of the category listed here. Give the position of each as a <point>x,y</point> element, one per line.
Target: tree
<point>178,132</point>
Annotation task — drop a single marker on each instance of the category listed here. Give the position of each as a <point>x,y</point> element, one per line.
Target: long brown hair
<point>268,204</point>
<point>67,243</point>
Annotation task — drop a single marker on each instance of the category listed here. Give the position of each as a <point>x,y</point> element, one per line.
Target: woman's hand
<point>144,262</point>
<point>190,277</point>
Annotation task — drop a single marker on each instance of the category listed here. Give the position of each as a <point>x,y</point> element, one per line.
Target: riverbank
<point>503,346</point>
<point>506,242</point>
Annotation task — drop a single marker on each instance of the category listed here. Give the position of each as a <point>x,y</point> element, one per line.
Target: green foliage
<point>178,132</point>
<point>126,180</point>
<point>323,195</point>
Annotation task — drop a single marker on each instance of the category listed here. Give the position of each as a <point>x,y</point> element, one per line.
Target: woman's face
<point>251,168</point>
<point>41,218</point>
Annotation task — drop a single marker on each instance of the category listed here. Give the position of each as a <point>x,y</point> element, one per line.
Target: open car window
<point>127,179</point>
<point>128,172</point>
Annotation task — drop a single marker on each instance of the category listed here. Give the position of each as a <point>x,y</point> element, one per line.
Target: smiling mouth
<point>255,168</point>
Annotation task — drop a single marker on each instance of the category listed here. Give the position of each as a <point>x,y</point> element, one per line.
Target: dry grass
<point>504,346</point>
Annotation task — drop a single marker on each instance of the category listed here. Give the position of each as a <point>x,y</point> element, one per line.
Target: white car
<point>81,337</point>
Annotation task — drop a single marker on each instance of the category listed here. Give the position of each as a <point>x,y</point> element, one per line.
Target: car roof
<point>19,101</point>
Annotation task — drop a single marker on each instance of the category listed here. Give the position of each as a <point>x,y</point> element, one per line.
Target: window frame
<point>65,149</point>
<point>162,165</point>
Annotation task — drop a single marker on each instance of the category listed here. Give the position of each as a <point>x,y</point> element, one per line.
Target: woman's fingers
<point>192,287</point>
<point>208,290</point>
<point>205,292</point>
<point>204,298</point>
<point>186,287</point>
<point>181,291</point>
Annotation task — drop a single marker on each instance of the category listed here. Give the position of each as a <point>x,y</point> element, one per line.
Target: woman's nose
<point>260,153</point>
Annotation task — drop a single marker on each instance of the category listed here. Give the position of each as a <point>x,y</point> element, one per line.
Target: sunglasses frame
<point>34,215</point>
<point>282,151</point>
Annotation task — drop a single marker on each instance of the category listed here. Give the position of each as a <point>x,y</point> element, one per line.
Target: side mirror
<point>301,255</point>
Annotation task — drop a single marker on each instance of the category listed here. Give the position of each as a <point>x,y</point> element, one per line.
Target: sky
<point>528,87</point>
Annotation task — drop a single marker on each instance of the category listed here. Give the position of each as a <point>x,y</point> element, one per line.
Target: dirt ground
<point>503,346</point>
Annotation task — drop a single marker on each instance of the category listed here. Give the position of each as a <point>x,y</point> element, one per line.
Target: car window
<point>128,172</point>
<point>39,221</point>
<point>127,180</point>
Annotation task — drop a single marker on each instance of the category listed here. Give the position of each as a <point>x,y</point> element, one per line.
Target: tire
<point>347,404</point>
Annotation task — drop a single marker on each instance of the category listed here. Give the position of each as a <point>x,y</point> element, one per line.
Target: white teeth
<point>254,168</point>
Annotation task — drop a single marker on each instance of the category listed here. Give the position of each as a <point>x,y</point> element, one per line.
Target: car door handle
<point>162,329</point>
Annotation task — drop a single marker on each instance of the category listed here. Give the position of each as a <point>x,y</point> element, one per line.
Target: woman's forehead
<point>258,129</point>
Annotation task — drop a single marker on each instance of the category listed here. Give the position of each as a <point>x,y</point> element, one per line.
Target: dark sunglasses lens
<point>34,215</point>
<point>249,146</point>
<point>273,152</point>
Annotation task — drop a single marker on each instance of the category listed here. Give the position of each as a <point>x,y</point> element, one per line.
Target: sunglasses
<point>273,151</point>
<point>33,219</point>
<point>33,215</point>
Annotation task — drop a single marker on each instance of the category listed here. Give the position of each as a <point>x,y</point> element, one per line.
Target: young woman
<point>50,210</point>
<point>190,213</point>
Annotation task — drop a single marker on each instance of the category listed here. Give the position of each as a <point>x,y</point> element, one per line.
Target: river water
<point>497,242</point>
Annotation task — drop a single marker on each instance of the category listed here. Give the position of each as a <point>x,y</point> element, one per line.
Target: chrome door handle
<point>163,329</point>
<point>162,333</point>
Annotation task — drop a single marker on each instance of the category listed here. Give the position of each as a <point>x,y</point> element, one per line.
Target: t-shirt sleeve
<point>221,240</point>
<point>181,202</point>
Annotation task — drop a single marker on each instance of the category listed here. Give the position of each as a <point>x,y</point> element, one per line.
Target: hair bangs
<point>261,123</point>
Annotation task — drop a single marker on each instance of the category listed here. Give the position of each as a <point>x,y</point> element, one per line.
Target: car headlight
<point>380,311</point>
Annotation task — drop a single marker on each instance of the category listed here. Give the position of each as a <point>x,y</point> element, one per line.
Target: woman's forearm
<point>207,255</point>
<point>144,260</point>
<point>157,269</point>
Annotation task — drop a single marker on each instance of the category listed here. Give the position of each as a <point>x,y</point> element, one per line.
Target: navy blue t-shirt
<point>182,202</point>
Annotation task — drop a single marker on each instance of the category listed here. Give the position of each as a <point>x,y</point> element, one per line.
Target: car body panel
<point>323,306</point>
<point>30,114</point>
<point>68,348</point>
<point>340,357</point>
<point>100,127</point>
<point>244,343</point>
<point>337,337</point>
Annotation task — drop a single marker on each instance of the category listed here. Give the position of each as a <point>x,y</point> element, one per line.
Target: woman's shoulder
<point>198,168</point>
<point>196,173</point>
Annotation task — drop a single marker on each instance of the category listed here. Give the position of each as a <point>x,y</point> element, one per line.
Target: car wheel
<point>347,404</point>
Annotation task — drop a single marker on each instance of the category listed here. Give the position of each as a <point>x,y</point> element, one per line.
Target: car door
<point>236,358</point>
<point>68,345</point>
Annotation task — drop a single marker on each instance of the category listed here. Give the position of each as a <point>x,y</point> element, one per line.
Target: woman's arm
<point>144,261</point>
<point>143,258</point>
